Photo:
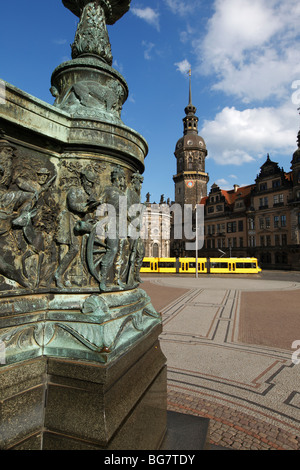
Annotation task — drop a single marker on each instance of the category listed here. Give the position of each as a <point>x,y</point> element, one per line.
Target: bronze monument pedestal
<point>81,366</point>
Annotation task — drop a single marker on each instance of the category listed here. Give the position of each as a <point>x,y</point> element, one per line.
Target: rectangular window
<point>283,220</point>
<point>252,241</point>
<point>276,221</point>
<point>284,239</point>
<point>231,227</point>
<point>278,199</point>
<point>267,222</point>
<point>263,202</point>
<point>261,223</point>
<point>251,223</point>
<point>240,225</point>
<point>276,183</point>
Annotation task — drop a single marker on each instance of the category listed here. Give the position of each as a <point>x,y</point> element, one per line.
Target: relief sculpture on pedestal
<point>70,210</point>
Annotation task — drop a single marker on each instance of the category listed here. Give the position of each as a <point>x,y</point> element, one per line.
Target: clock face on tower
<point>190,184</point>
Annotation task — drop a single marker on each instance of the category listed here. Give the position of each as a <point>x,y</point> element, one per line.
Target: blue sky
<point>245,61</point>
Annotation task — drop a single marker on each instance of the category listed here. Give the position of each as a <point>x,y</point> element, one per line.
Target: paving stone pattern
<point>228,348</point>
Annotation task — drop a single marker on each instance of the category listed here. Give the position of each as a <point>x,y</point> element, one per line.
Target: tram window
<point>182,266</point>
<point>146,264</point>
<point>219,265</point>
<point>155,266</point>
<point>246,265</point>
<point>166,264</point>
<point>192,265</point>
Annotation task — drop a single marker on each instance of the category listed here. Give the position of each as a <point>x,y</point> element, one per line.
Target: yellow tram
<point>205,265</point>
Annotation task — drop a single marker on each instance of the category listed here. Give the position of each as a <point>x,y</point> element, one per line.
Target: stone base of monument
<point>50,403</point>
<point>186,432</point>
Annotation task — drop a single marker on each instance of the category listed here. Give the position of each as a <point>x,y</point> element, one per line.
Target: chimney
<point>235,187</point>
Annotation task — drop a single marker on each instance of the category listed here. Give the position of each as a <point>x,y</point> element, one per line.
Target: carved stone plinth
<point>64,404</point>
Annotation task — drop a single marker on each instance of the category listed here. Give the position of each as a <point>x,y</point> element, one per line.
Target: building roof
<point>231,195</point>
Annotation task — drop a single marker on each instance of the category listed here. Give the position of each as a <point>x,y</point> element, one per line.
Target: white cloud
<point>223,183</point>
<point>147,14</point>
<point>148,47</point>
<point>59,42</point>
<point>237,137</point>
<point>251,48</point>
<point>183,66</point>
<point>181,7</point>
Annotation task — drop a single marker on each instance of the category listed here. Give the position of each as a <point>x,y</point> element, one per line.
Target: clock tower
<point>190,152</point>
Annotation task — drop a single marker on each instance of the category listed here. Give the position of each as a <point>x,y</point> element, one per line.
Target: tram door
<point>231,267</point>
<point>153,266</point>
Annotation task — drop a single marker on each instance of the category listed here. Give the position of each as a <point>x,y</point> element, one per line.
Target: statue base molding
<point>64,404</point>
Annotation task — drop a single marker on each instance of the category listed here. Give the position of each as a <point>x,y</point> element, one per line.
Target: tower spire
<point>190,89</point>
<point>190,121</point>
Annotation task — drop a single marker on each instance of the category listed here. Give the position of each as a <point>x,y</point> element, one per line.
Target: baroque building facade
<point>260,220</point>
